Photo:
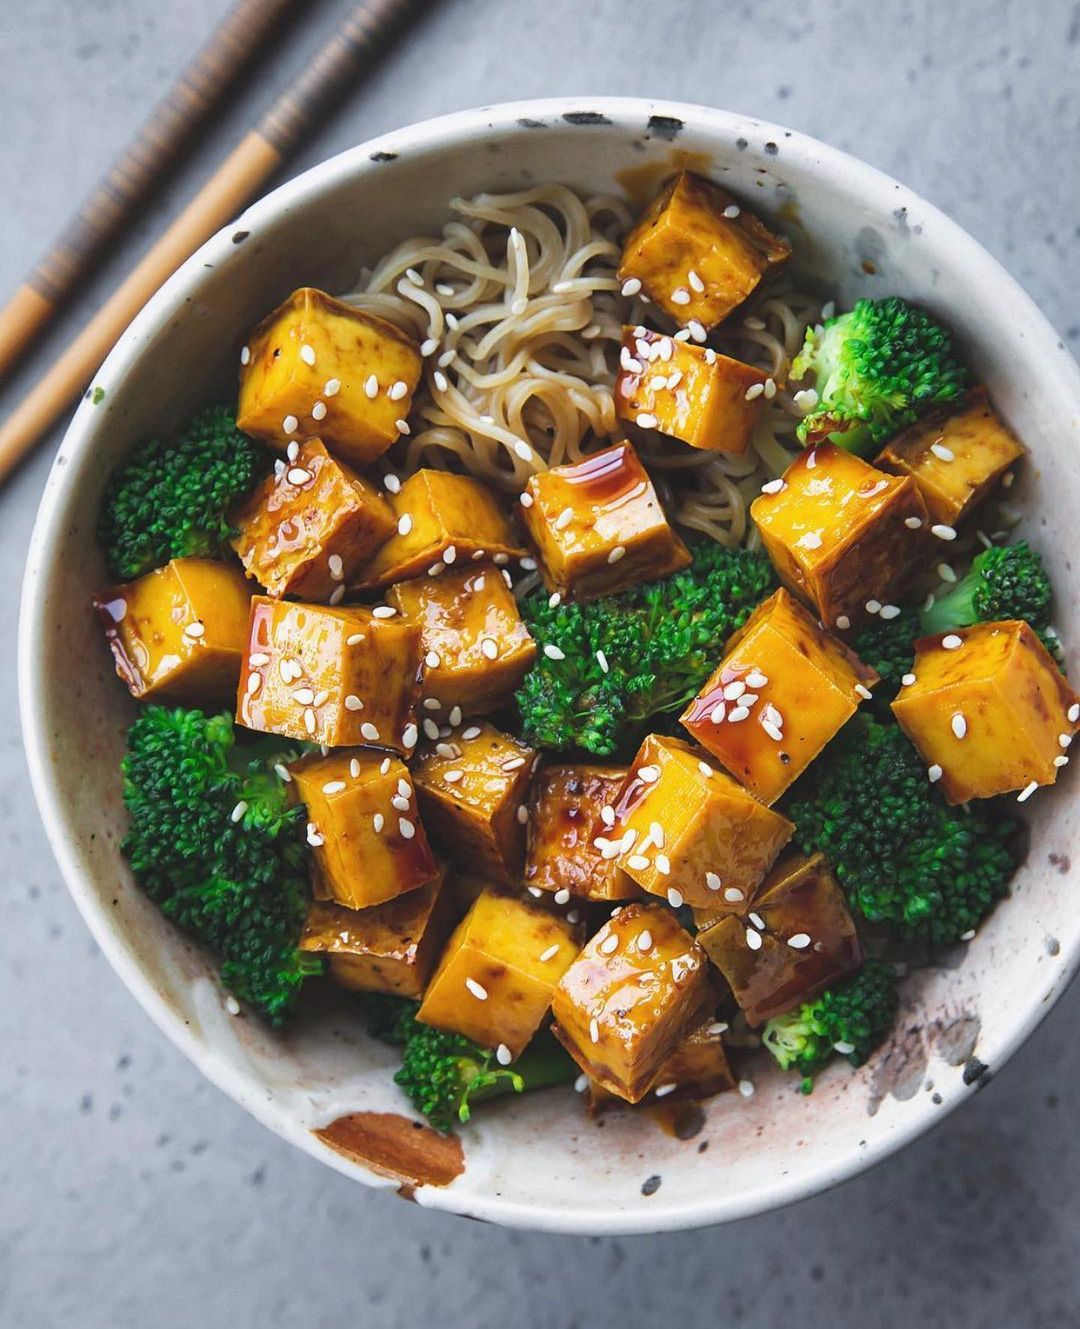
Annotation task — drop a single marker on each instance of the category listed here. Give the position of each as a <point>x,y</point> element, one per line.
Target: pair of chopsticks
<point>355,46</point>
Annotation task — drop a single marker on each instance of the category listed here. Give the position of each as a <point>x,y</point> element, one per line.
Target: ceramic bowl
<point>537,1162</point>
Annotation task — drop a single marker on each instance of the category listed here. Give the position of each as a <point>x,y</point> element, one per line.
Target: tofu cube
<point>336,676</point>
<point>805,942</point>
<point>474,646</point>
<point>841,533</point>
<point>441,519</point>
<point>569,846</point>
<point>696,1070</point>
<point>178,634</point>
<point>783,689</point>
<point>691,833</point>
<point>599,525</point>
<point>304,531</point>
<point>637,988</point>
<point>366,836</point>
<point>688,392</point>
<point>697,253</point>
<point>498,971</point>
<point>316,366</point>
<point>472,788</point>
<point>956,455</point>
<point>391,947</point>
<point>989,710</point>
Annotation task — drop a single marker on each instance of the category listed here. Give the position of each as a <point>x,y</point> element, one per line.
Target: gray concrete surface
<point>134,1194</point>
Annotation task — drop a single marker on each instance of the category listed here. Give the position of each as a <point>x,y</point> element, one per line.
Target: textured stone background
<point>133,1193</point>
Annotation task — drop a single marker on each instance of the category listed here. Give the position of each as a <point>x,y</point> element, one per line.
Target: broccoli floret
<point>876,369</point>
<point>902,855</point>
<point>887,645</point>
<point>1008,581</point>
<point>851,1019</point>
<point>214,842</point>
<point>444,1074</point>
<point>172,499</point>
<point>636,654</point>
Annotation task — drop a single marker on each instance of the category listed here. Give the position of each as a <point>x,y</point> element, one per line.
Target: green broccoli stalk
<point>903,856</point>
<point>215,843</point>
<point>444,1075</point>
<point>876,369</point>
<point>851,1019</point>
<point>1007,581</point>
<point>171,499</point>
<point>645,651</point>
<point>887,645</point>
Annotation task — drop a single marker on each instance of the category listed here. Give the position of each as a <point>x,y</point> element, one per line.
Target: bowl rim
<point>569,114</point>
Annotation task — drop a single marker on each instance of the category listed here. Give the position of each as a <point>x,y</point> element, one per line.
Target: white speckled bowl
<point>537,1162</point>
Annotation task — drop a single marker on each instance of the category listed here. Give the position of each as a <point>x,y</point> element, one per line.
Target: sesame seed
<point>313,837</point>
<point>298,476</point>
<point>594,1030</point>
<point>907,680</point>
<point>945,573</point>
<point>522,814</point>
<point>733,895</point>
<point>890,611</point>
<point>773,486</point>
<point>399,804</point>
<point>449,554</point>
<point>452,777</point>
<point>551,951</point>
<point>843,622</point>
<point>409,735</point>
<point>553,652</point>
<point>405,524</point>
<point>398,390</point>
<point>407,829</point>
<point>562,897</point>
<point>477,989</point>
<point>618,552</point>
<point>934,773</point>
<point>662,1090</point>
<point>863,691</point>
<point>674,897</point>
<point>770,389</point>
<point>290,424</point>
<point>282,772</point>
<point>473,731</point>
<point>716,715</point>
<point>331,387</point>
<point>649,774</point>
<point>958,724</point>
<point>732,211</point>
<point>773,730</point>
<point>429,347</point>
<point>680,296</point>
<point>1061,761</point>
<point>799,941</point>
<point>318,410</point>
<point>238,811</point>
<point>440,380</point>
<point>293,450</point>
<point>873,606</point>
<point>354,639</point>
<point>734,690</point>
<point>309,720</point>
<point>637,863</point>
<point>1073,713</point>
<point>811,540</point>
<point>663,864</point>
<point>1065,740</point>
<point>657,833</point>
<point>756,679</point>
<point>563,519</point>
<point>913,523</point>
<point>757,920</point>
<point>431,729</point>
<point>353,702</point>
<point>806,399</point>
<point>335,567</point>
<point>455,719</point>
<point>697,330</point>
<point>695,281</point>
<point>195,630</point>
<point>753,939</point>
<point>646,421</point>
<point>951,642</point>
<point>245,355</point>
<point>383,611</point>
<point>738,714</point>
<point>609,944</point>
<point>942,453</point>
<point>525,499</point>
<point>307,354</point>
<point>369,731</point>
<point>943,532</point>
<point>753,391</point>
<point>705,769</point>
<point>1027,791</point>
<point>631,286</point>
<point>333,786</point>
<point>448,750</point>
<point>384,766</point>
<point>844,1049</point>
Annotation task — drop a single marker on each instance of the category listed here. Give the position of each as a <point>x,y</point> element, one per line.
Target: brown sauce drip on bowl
<point>395,1146</point>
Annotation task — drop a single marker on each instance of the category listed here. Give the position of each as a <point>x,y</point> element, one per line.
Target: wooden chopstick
<point>359,41</point>
<point>171,126</point>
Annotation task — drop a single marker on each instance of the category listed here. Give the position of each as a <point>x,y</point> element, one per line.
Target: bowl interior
<point>537,1162</point>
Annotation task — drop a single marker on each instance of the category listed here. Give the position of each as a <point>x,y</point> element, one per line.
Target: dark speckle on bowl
<point>585,118</point>
<point>667,127</point>
<point>741,144</point>
<point>976,1072</point>
<point>525,123</point>
<point>650,1185</point>
<point>1053,946</point>
<point>384,156</point>
<point>1060,861</point>
<point>771,149</point>
<point>239,237</point>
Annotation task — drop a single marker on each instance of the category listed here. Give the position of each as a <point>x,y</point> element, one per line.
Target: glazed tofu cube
<point>441,519</point>
<point>697,253</point>
<point>366,836</point>
<point>304,531</point>
<point>474,646</point>
<point>783,689</point>
<point>391,947</point>
<point>474,792</point>
<point>697,1069</point>
<point>989,710</point>
<point>570,852</point>
<point>691,833</point>
<point>688,392</point>
<point>316,366</point>
<point>638,987</point>
<point>599,525</point>
<point>796,939</point>
<point>496,976</point>
<point>336,676</point>
<point>955,455</point>
<point>841,533</point>
<point>178,634</point>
